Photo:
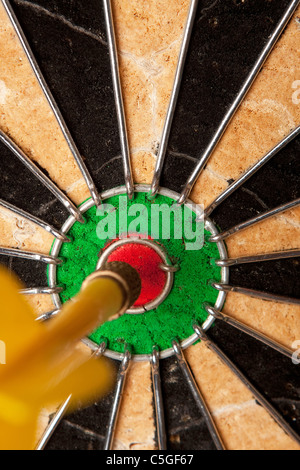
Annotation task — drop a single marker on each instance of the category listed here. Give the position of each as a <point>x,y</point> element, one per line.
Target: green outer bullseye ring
<point>174,318</point>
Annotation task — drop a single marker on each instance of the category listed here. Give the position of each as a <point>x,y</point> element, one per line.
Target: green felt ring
<point>175,317</point>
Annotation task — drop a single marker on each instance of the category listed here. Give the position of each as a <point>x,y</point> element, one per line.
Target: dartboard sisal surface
<point>149,36</point>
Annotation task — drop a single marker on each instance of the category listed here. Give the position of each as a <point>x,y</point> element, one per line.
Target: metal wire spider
<point>201,332</point>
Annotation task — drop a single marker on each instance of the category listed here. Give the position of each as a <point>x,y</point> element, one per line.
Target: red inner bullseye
<point>147,263</point>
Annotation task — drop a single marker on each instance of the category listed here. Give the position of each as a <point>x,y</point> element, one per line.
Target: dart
<point>44,364</point>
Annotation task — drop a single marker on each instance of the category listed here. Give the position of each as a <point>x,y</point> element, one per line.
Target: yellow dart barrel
<point>47,367</point>
<point>101,299</point>
<point>105,294</point>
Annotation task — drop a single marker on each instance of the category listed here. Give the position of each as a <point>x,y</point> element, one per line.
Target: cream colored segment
<point>149,38</point>
<point>143,166</point>
<point>163,82</point>
<point>278,321</point>
<point>27,118</point>
<point>278,233</point>
<point>266,116</point>
<point>136,427</point>
<point>208,187</point>
<point>242,423</point>
<point>4,92</point>
<point>144,27</point>
<point>40,304</point>
<point>18,232</point>
<point>139,93</point>
<point>147,85</point>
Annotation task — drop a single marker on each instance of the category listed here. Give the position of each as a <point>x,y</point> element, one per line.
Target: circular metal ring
<point>159,250</point>
<point>209,225</point>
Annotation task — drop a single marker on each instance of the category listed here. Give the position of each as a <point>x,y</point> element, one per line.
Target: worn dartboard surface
<point>69,42</point>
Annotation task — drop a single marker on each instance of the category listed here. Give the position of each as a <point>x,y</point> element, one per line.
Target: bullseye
<point>150,261</point>
<point>147,262</point>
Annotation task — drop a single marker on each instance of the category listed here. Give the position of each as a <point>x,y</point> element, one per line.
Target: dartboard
<point>182,107</point>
